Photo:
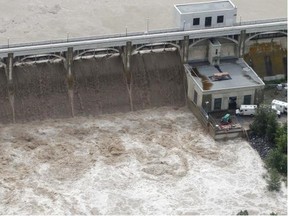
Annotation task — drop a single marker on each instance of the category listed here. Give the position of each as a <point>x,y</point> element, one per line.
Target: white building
<point>205,14</point>
<point>225,86</point>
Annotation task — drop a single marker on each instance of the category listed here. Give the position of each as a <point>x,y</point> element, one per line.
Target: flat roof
<point>240,74</point>
<point>205,7</point>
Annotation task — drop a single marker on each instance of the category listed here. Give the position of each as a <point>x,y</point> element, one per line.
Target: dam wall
<point>40,92</point>
<point>5,107</point>
<point>157,80</point>
<point>99,86</point>
<point>268,58</point>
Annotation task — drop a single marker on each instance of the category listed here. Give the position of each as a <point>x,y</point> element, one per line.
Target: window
<point>247,99</point>
<point>195,97</point>
<point>217,103</point>
<point>196,21</point>
<point>208,21</point>
<point>232,102</point>
<point>216,52</point>
<point>220,19</point>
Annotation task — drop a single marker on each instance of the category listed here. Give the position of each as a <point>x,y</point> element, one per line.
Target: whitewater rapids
<point>156,161</point>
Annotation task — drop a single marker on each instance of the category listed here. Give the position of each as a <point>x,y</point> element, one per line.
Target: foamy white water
<point>156,161</point>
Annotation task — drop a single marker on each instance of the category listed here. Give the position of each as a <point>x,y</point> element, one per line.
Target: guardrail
<point>161,31</point>
<point>139,38</point>
<point>252,22</point>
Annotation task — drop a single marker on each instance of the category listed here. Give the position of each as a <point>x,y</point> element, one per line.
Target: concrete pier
<point>70,77</point>
<point>241,44</point>
<point>10,85</point>
<point>126,58</point>
<point>185,50</point>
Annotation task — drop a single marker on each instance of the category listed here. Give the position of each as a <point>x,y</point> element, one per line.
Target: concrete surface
<point>238,79</point>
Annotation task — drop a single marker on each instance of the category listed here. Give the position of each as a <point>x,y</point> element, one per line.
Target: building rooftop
<point>205,6</point>
<point>237,74</point>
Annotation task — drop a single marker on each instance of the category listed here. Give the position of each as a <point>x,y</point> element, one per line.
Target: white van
<point>280,105</point>
<point>278,113</point>
<point>246,110</point>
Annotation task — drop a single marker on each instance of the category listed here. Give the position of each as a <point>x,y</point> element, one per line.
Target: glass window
<point>247,99</point>
<point>217,103</point>
<point>196,21</point>
<point>208,21</point>
<point>220,19</point>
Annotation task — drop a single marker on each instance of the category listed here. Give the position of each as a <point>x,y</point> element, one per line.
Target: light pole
<point>147,25</point>
<point>206,108</point>
<point>184,25</point>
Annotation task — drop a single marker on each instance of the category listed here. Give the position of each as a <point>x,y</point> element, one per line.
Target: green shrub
<point>274,183</point>
<point>281,139</point>
<point>265,123</point>
<point>245,212</point>
<point>277,160</point>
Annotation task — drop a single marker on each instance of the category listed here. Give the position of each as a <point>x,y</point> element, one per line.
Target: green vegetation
<point>245,212</point>
<point>273,181</point>
<point>281,139</point>
<point>265,125</point>
<point>275,81</point>
<point>277,160</point>
<point>277,157</point>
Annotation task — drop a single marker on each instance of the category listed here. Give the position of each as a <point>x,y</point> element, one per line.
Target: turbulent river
<point>154,161</point>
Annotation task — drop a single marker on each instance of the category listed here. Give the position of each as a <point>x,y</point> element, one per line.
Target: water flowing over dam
<point>99,86</point>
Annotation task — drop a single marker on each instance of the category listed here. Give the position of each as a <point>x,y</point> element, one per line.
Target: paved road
<point>36,20</point>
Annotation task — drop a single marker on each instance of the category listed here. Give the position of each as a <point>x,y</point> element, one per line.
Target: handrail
<point>252,22</point>
<point>137,38</point>
<point>131,34</point>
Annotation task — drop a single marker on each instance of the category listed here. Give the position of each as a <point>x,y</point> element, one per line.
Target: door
<point>208,21</point>
<point>247,99</point>
<point>217,103</point>
<point>232,103</point>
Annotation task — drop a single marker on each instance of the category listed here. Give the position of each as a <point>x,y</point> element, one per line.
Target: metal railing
<point>253,22</point>
<point>137,38</point>
<point>119,35</point>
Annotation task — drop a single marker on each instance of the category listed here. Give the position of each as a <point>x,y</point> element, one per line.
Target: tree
<point>277,160</point>
<point>281,139</point>
<point>265,123</point>
<point>272,126</point>
<point>245,212</point>
<point>273,181</point>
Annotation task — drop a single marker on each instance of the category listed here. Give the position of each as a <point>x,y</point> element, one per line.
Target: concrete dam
<point>99,86</point>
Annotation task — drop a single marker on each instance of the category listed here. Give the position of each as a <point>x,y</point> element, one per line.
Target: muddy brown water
<point>41,90</point>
